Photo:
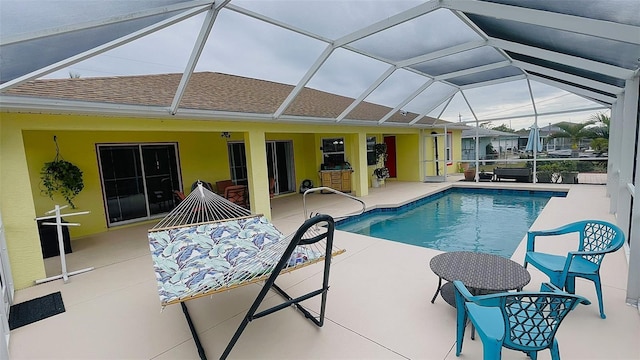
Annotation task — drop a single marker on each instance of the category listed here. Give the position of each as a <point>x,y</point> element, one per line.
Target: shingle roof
<point>208,91</point>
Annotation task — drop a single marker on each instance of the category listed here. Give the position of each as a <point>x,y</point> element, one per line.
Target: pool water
<point>480,220</point>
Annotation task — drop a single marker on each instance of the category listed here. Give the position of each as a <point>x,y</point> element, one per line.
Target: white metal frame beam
<point>430,109</point>
<point>572,89</point>
<point>594,108</point>
<point>473,70</point>
<point>303,82</point>
<point>632,94</point>
<point>366,93</point>
<point>615,152</point>
<point>8,40</point>
<point>389,22</point>
<point>576,24</point>
<point>103,48</point>
<point>205,30</point>
<point>611,89</point>
<point>268,20</point>
<point>494,82</point>
<point>577,62</point>
<point>405,101</point>
<point>441,53</point>
<point>349,38</point>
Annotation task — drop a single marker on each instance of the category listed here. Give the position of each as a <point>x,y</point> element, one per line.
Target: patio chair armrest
<point>463,295</point>
<point>583,253</point>
<point>570,256</point>
<point>532,234</point>
<point>549,287</point>
<point>462,291</point>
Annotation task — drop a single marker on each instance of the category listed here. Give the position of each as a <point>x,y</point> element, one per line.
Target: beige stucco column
<point>360,176</point>
<point>18,212</point>
<point>256,153</point>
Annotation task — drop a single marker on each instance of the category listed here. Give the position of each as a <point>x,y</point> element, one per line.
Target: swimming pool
<point>482,220</point>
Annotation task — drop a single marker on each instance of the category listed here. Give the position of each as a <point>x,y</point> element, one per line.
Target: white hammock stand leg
<point>59,224</point>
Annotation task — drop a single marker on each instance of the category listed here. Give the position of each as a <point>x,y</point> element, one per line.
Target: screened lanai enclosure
<point>518,63</point>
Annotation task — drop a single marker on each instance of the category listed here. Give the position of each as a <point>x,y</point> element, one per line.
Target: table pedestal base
<point>448,293</point>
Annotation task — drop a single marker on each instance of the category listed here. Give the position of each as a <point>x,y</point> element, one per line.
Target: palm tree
<point>600,126</point>
<point>599,132</point>
<point>575,132</point>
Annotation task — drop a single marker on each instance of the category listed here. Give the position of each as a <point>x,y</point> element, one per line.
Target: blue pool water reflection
<point>481,220</point>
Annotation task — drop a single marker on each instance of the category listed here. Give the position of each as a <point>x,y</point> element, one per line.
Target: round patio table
<point>480,272</point>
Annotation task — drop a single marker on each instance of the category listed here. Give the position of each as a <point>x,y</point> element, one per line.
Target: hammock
<point>208,244</point>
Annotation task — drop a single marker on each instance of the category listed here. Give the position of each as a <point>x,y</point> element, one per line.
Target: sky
<point>245,46</point>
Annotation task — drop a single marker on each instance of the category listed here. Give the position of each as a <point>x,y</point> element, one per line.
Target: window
<point>371,154</point>
<point>447,150</point>
<point>333,152</point>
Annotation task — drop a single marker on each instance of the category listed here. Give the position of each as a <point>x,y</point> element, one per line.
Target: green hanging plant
<point>61,176</point>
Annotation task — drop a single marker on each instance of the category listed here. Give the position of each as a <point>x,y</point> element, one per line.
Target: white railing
<point>324,188</point>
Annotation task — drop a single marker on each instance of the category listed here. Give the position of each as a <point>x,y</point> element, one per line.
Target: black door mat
<point>35,310</point>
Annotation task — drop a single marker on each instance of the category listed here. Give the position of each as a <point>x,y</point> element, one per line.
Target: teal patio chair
<point>523,321</point>
<point>597,238</point>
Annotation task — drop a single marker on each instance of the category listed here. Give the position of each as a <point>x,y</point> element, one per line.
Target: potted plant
<point>568,172</point>
<point>470,173</point>
<point>545,173</point>
<point>61,176</point>
<point>381,172</point>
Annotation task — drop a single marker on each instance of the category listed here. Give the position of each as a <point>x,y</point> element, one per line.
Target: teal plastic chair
<point>523,321</point>
<point>597,238</point>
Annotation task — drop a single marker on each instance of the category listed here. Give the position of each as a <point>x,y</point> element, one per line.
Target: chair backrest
<point>236,194</point>
<point>532,319</point>
<point>222,185</point>
<point>599,236</point>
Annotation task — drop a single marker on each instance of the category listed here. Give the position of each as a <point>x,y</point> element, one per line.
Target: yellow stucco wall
<point>27,143</point>
<point>408,158</point>
<point>18,214</point>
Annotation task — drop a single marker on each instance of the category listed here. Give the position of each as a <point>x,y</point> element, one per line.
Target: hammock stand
<point>193,251</point>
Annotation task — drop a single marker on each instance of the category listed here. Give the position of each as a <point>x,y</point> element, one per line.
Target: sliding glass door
<point>280,165</point>
<point>138,180</point>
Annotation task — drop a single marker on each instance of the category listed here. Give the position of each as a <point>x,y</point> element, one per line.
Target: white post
<point>630,117</point>
<point>63,260</point>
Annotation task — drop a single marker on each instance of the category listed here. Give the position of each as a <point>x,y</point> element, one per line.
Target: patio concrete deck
<point>378,304</point>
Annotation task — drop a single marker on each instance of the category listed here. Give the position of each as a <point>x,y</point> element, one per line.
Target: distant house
<point>491,143</point>
<point>549,143</point>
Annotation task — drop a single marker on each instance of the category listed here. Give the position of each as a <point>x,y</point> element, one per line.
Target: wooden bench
<point>517,174</point>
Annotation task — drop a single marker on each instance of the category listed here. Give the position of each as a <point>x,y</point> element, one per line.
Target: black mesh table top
<point>480,271</point>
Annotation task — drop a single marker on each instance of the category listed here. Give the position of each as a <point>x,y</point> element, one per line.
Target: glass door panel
<point>138,180</point>
<point>160,177</point>
<point>237,163</point>
<point>280,166</point>
<point>122,182</point>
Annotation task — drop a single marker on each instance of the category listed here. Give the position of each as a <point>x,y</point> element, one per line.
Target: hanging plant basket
<point>61,177</point>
